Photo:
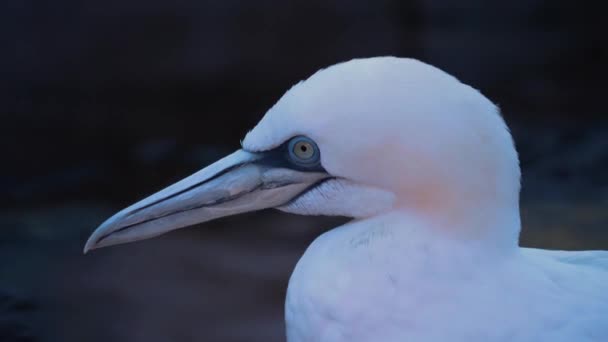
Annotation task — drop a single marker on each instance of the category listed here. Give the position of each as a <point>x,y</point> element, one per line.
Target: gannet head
<point>358,139</point>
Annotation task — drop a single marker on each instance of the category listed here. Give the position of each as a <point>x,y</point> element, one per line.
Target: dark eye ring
<point>303,151</point>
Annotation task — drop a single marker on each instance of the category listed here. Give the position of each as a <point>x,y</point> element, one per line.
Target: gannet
<point>427,169</point>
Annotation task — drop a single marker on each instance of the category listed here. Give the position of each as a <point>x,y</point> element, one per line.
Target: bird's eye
<point>303,151</point>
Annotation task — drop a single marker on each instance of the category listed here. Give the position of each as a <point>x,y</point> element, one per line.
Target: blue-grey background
<point>104,102</point>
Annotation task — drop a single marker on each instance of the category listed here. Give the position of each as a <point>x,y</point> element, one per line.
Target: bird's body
<point>427,169</point>
<point>386,279</point>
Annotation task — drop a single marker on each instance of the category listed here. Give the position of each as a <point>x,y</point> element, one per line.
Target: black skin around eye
<point>279,157</point>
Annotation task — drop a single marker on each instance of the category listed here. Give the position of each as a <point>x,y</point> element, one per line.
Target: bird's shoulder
<point>589,260</point>
<point>578,280</point>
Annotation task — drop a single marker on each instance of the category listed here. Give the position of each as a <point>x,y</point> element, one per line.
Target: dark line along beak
<point>241,182</point>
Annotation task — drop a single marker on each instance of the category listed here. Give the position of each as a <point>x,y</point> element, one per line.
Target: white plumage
<point>427,168</point>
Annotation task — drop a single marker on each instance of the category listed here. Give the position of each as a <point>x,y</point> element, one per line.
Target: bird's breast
<point>340,291</point>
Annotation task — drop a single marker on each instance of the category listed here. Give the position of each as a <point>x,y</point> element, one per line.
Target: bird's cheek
<point>341,197</point>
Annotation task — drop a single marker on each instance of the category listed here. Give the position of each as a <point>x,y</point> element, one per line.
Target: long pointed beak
<point>238,183</point>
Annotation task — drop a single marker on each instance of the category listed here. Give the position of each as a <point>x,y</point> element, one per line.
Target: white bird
<point>427,169</point>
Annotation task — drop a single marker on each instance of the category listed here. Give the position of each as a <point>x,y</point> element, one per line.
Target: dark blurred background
<point>104,102</point>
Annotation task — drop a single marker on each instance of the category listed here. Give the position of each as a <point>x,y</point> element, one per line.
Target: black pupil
<point>303,148</point>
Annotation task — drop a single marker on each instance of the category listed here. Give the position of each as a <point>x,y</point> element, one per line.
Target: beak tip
<point>99,236</point>
<point>89,246</point>
<point>94,240</point>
